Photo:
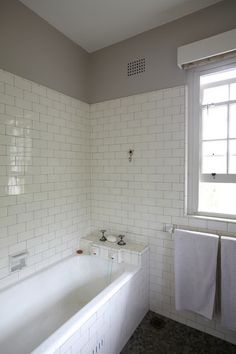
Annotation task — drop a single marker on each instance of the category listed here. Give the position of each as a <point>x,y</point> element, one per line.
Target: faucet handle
<point>121,242</point>
<point>103,237</point>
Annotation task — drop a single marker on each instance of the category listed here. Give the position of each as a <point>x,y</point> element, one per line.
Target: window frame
<point>194,141</point>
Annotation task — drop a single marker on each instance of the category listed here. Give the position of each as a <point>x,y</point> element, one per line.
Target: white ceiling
<point>95,24</point>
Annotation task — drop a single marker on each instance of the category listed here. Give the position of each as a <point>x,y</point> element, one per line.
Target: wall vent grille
<point>136,67</point>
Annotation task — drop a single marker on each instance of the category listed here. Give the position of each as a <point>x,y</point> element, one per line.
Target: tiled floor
<point>159,335</point>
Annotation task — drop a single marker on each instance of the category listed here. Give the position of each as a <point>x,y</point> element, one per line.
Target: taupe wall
<point>31,48</point>
<point>108,67</point>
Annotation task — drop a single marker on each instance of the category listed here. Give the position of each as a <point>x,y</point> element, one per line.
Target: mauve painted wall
<point>33,49</point>
<point>108,67</point>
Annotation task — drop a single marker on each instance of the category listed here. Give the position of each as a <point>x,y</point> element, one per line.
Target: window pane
<point>217,198</point>
<point>214,122</point>
<point>232,156</point>
<point>233,91</point>
<point>218,76</point>
<point>214,158</point>
<point>215,94</point>
<point>232,121</point>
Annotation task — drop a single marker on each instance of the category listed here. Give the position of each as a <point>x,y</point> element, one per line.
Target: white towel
<point>228,282</point>
<point>195,271</point>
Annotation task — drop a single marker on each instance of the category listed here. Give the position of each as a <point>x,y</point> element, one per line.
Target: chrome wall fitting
<point>131,152</point>
<point>18,260</point>
<point>121,242</point>
<point>103,238</point>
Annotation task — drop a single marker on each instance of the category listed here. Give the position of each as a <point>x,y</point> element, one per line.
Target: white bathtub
<point>41,313</point>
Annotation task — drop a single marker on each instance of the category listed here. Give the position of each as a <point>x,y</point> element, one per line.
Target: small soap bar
<point>111,238</point>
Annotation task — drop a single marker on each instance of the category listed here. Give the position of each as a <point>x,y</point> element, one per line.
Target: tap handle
<point>103,237</point>
<point>121,242</point>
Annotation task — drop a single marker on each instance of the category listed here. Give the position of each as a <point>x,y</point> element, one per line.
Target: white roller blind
<point>209,60</point>
<point>219,47</point>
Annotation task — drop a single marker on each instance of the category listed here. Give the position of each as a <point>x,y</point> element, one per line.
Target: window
<point>212,141</point>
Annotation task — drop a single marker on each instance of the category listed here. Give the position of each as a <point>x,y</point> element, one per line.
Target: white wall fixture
<point>129,253</point>
<point>18,261</point>
<point>206,48</point>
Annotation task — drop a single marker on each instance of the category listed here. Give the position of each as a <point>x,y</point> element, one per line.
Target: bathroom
<point>117,216</point>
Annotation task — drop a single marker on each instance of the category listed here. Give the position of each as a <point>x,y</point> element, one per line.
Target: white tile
<point>153,125</point>
<point>45,144</point>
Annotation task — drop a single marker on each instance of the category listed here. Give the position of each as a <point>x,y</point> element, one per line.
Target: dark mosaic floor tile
<point>159,335</point>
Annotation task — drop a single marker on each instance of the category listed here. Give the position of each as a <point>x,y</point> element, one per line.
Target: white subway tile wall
<point>137,198</point>
<point>44,174</point>
<point>54,180</point>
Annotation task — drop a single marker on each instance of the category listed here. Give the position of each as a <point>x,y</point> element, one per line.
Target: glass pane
<point>232,156</point>
<point>233,91</point>
<point>214,122</point>
<point>232,121</point>
<point>217,198</point>
<point>214,159</point>
<point>215,94</point>
<point>218,76</point>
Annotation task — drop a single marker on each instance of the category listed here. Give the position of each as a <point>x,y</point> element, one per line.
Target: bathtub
<point>51,310</point>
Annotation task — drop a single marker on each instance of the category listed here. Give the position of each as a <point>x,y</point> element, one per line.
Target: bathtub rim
<point>44,269</point>
<point>73,324</point>
<point>35,273</point>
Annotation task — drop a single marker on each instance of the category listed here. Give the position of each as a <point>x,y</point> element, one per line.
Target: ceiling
<point>95,24</point>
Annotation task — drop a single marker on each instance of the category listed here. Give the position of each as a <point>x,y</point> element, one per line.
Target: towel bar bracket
<point>170,228</point>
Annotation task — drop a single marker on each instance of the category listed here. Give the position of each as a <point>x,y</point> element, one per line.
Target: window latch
<point>213,175</point>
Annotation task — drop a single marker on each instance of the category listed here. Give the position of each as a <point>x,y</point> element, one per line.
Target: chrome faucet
<point>121,242</point>
<point>103,237</point>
